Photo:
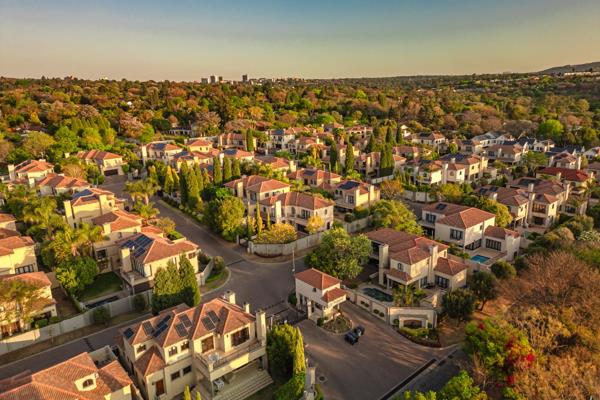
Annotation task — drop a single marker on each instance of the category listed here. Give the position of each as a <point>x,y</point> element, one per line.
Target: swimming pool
<point>378,294</point>
<point>480,259</point>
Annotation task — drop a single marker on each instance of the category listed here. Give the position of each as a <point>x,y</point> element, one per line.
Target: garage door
<point>110,172</point>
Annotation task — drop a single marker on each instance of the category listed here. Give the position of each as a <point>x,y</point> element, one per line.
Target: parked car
<point>351,338</point>
<point>359,330</point>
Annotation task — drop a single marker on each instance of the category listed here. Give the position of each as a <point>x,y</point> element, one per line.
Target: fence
<point>279,249</point>
<point>419,197</point>
<point>205,273</point>
<point>82,320</point>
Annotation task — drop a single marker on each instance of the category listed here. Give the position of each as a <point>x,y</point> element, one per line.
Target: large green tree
<point>394,214</point>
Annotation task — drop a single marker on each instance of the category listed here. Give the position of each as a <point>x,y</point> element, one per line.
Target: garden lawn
<point>103,284</point>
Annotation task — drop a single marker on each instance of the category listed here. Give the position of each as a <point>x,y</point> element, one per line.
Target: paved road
<point>260,284</point>
<point>368,370</point>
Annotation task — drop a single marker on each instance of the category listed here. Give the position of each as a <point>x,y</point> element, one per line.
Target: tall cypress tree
<point>183,183</point>
<point>399,137</point>
<point>389,137</point>
<point>199,177</point>
<point>249,141</point>
<point>236,169</point>
<point>349,158</point>
<point>333,158</point>
<point>205,177</point>
<point>169,184</point>
<point>190,292</point>
<point>226,169</point>
<point>193,190</point>
<point>259,221</point>
<point>217,172</point>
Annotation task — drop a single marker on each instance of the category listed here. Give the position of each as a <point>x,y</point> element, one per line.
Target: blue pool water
<point>378,294</point>
<point>480,259</point>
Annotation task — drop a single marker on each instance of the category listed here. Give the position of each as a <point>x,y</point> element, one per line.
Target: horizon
<point>190,40</point>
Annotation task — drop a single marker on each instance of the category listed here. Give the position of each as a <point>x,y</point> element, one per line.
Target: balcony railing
<point>211,365</point>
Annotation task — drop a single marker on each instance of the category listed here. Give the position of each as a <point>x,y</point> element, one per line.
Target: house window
<point>23,270</point>
<point>456,234</point>
<point>430,218</point>
<point>493,244</point>
<point>539,208</point>
<point>185,345</point>
<point>187,370</point>
<point>442,282</point>
<point>87,383</point>
<point>350,199</point>
<point>475,245</point>
<point>207,344</point>
<point>101,254</point>
<point>175,375</point>
<point>240,337</point>
<point>172,351</point>
<point>140,348</point>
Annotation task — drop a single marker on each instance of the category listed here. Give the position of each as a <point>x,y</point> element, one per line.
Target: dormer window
<point>172,351</point>
<point>185,345</point>
<point>141,347</point>
<point>87,383</point>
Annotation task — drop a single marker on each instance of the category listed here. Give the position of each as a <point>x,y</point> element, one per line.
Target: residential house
<point>315,178</point>
<point>159,151</point>
<point>200,145</point>
<point>410,152</point>
<point>455,165</point>
<point>360,131</point>
<point>115,225</point>
<point>108,163</point>
<point>17,253</point>
<point>296,208</point>
<point>517,201</point>
<point>45,304</point>
<point>565,160</point>
<point>578,181</point>
<point>281,139</point>
<point>507,153</point>
<point>90,203</point>
<point>492,138</point>
<point>29,172</point>
<point>349,194</point>
<point>191,158</point>
<point>87,376</point>
<point>57,184</point>
<point>254,188</point>
<point>407,259</point>
<point>234,140</point>
<point>545,199</point>
<point>470,146</point>
<point>276,163</point>
<point>218,348</point>
<point>241,155</point>
<point>592,154</point>
<point>433,139</point>
<point>8,221</point>
<point>143,254</point>
<point>318,294</point>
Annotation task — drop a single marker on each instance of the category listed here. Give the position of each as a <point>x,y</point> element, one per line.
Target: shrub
<point>204,258</point>
<point>139,303</point>
<point>219,264</point>
<point>353,285</point>
<point>349,217</point>
<point>292,299</point>
<point>174,235</point>
<point>101,316</point>
<point>320,321</point>
<point>396,322</point>
<point>361,212</point>
<point>41,323</point>
<point>54,320</point>
<point>292,389</point>
<point>503,270</point>
<point>278,234</point>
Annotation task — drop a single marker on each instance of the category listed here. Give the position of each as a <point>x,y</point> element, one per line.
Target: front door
<point>160,387</point>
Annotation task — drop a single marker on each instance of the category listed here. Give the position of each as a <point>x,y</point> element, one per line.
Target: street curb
<point>219,287</point>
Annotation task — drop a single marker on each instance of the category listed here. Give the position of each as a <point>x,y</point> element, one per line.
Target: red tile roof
<point>33,166</point>
<point>449,267</point>
<point>333,294</point>
<point>118,220</point>
<point>37,278</point>
<point>5,217</point>
<point>8,244</point>
<point>61,181</point>
<point>147,247</point>
<point>573,175</point>
<point>500,233</point>
<point>98,155</point>
<point>299,199</point>
<point>405,247</point>
<point>317,279</point>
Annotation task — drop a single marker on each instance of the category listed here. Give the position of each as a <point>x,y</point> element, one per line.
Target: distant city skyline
<point>189,40</point>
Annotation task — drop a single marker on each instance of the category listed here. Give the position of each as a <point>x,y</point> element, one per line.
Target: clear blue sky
<point>187,40</point>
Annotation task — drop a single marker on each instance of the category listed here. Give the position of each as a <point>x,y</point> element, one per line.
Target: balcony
<point>218,363</point>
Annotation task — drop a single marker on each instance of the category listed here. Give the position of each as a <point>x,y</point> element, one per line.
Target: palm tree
<point>146,189</point>
<point>146,211</point>
<point>133,189</point>
<point>85,236</point>
<point>403,295</point>
<point>41,215</point>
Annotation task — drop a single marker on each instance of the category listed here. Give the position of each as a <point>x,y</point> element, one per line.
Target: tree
<point>452,148</point>
<point>37,144</point>
<point>227,174</point>
<point>21,300</point>
<point>166,292</point>
<point>190,292</point>
<point>259,221</point>
<point>146,211</point>
<point>551,129</point>
<point>314,224</point>
<point>101,316</point>
<point>349,163</point>
<point>534,160</point>
<point>503,215</point>
<point>249,141</point>
<point>282,350</point>
<point>451,192</point>
<point>503,270</point>
<point>183,183</point>
<point>394,214</point>
<point>139,303</point>
<point>226,216</point>
<point>75,274</point>
<point>217,172</point>
<point>334,158</point>
<point>169,185</point>
<point>461,387</point>
<point>340,254</point>
<point>235,169</point>
<point>193,197</point>
<point>186,393</point>
<point>483,286</point>
<point>392,189</point>
<point>278,233</point>
<point>458,304</point>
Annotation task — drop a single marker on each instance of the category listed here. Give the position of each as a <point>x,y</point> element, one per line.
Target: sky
<point>186,40</point>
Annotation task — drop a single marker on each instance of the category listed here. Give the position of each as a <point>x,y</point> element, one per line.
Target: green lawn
<point>216,280</point>
<point>103,284</point>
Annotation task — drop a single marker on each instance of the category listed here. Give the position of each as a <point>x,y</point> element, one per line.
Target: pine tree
<point>371,145</point>
<point>190,292</point>
<point>399,136</point>
<point>259,221</point>
<point>217,172</point>
<point>183,183</point>
<point>349,158</point>
<point>226,169</point>
<point>249,141</point>
<point>236,169</point>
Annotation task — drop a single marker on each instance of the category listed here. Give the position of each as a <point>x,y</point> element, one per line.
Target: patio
<point>240,383</point>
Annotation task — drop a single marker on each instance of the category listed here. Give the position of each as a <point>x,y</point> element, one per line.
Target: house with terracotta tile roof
<point>159,151</point>
<point>234,153</point>
<point>199,145</point>
<point>234,140</point>
<point>143,254</point>
<point>276,163</point>
<point>87,376</point>
<point>318,294</point>
<point>282,139</point>
<point>565,160</point>
<point>255,188</point>
<point>108,163</point>
<point>296,208</point>
<point>577,179</point>
<point>90,203</point>
<point>433,139</point>
<point>30,171</point>
<point>349,194</point>
<point>116,225</point>
<point>217,348</point>
<point>507,153</point>
<point>407,259</point>
<point>57,184</point>
<point>191,158</point>
<point>17,253</point>
<point>517,201</point>
<point>315,178</point>
<point>45,305</point>
<point>8,221</point>
<point>546,198</point>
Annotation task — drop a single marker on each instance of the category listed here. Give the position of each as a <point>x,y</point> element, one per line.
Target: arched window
<point>88,383</point>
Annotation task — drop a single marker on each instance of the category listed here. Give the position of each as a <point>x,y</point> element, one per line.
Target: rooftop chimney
<point>229,296</point>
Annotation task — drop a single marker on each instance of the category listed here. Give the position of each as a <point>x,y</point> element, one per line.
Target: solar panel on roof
<point>180,329</point>
<point>213,317</point>
<point>440,206</point>
<point>128,333</point>
<point>148,329</point>
<point>208,324</point>
<point>185,321</point>
<point>159,330</point>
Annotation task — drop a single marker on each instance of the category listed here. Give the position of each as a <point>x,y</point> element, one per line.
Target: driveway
<point>368,370</point>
